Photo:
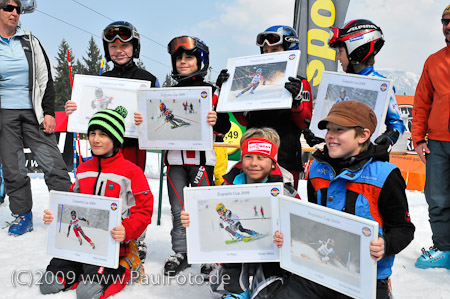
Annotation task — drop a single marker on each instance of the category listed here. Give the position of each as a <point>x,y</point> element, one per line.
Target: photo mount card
<point>334,87</point>
<point>257,82</point>
<point>247,208</point>
<point>94,93</point>
<point>175,118</point>
<point>102,213</point>
<point>328,247</point>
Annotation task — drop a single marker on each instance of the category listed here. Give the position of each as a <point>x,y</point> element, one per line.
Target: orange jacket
<point>431,111</point>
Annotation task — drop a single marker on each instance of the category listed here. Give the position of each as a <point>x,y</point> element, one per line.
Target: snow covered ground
<point>24,258</point>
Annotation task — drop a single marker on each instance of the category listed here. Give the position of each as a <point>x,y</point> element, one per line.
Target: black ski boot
<point>175,263</point>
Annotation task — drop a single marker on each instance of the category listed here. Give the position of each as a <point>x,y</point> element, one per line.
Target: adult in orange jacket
<point>431,115</point>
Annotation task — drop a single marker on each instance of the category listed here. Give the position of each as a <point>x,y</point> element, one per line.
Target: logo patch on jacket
<point>110,186</point>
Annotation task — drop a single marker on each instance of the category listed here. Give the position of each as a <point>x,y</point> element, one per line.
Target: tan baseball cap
<point>351,114</point>
<point>446,11</point>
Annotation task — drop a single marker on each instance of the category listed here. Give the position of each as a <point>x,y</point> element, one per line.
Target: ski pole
<point>74,134</point>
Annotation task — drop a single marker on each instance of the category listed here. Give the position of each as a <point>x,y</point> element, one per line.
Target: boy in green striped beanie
<point>107,123</point>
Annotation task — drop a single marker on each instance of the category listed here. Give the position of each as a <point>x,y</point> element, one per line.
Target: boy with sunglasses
<point>190,62</point>
<point>121,43</point>
<point>288,123</point>
<point>430,133</point>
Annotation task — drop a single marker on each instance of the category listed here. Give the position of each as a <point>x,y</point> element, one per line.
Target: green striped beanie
<point>112,122</point>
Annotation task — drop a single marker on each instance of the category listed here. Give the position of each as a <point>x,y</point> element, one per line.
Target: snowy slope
<point>22,259</point>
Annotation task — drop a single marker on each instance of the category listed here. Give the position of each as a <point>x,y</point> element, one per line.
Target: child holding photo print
<point>190,62</point>
<point>362,183</point>
<point>109,174</point>
<point>288,123</point>
<point>357,43</point>
<point>259,153</point>
<point>121,43</point>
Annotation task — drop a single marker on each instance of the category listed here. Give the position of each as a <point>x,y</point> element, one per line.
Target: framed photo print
<point>257,82</point>
<point>175,118</point>
<point>328,247</point>
<point>336,87</point>
<point>232,224</point>
<point>95,93</point>
<point>81,228</point>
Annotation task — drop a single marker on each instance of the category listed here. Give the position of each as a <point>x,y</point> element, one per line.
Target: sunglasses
<point>10,8</point>
<point>445,22</point>
<point>122,33</point>
<point>269,38</point>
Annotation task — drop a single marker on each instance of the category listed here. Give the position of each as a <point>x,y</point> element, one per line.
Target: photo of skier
<point>256,79</point>
<point>313,247</point>
<point>263,81</point>
<point>75,222</point>
<point>338,93</point>
<point>231,224</point>
<point>100,101</point>
<point>82,229</point>
<point>342,96</point>
<point>169,117</point>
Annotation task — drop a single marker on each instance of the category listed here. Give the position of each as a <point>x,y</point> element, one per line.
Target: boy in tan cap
<point>352,175</point>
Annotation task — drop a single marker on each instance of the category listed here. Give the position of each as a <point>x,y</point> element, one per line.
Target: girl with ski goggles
<point>124,34</point>
<point>185,42</point>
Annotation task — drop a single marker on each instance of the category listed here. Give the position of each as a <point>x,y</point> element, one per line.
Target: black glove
<point>310,138</point>
<point>223,76</point>
<point>295,87</point>
<point>221,225</point>
<point>389,137</point>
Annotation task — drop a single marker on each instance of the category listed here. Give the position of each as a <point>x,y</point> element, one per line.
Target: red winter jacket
<point>118,178</point>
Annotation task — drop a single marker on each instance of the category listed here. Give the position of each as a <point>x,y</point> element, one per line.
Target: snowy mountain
<point>405,82</point>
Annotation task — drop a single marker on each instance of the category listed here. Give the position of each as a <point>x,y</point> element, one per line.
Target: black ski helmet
<point>276,35</point>
<point>193,46</point>
<point>123,31</point>
<point>361,38</point>
<point>73,213</point>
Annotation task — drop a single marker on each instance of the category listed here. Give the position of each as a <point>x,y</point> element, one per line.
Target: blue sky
<point>412,28</point>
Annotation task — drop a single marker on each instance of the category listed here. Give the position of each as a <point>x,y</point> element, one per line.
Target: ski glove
<point>221,225</point>
<point>223,76</point>
<point>295,87</point>
<point>389,137</point>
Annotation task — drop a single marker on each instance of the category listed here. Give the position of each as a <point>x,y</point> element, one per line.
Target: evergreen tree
<point>93,60</point>
<point>62,79</point>
<point>168,82</point>
<point>140,64</point>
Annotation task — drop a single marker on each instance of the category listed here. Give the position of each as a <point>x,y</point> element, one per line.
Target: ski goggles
<point>445,22</point>
<point>220,210</point>
<point>10,8</point>
<point>123,34</point>
<point>185,42</point>
<point>334,36</point>
<point>269,38</point>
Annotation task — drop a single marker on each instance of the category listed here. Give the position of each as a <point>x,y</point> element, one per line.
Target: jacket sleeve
<point>304,110</point>
<point>423,100</point>
<point>48,101</point>
<point>393,207</point>
<point>141,213</point>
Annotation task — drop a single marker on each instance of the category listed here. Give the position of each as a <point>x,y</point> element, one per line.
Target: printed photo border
<point>257,82</point>
<point>247,208</point>
<point>328,247</point>
<point>95,217</point>
<point>94,93</point>
<point>372,91</point>
<point>175,118</point>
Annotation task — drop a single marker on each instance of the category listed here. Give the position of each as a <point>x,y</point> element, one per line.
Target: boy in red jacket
<point>107,174</point>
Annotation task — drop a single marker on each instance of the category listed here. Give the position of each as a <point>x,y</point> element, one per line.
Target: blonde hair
<point>265,133</point>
